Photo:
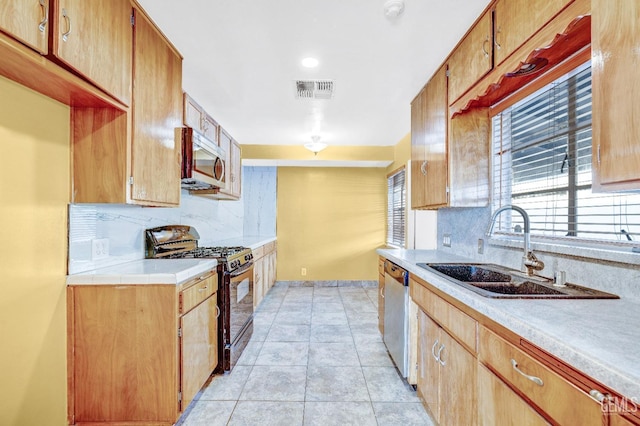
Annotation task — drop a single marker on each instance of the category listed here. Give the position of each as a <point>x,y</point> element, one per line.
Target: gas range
<point>181,242</point>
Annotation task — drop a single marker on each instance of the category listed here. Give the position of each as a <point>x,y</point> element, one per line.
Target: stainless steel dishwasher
<point>396,315</point>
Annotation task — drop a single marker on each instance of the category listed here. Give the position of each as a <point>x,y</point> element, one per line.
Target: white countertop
<point>601,338</point>
<point>250,241</point>
<point>145,271</point>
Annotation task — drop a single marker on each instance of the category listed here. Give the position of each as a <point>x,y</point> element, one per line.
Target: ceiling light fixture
<point>393,8</point>
<point>315,146</point>
<point>310,62</point>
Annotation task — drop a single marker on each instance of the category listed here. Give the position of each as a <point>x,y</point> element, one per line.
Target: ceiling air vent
<point>314,89</point>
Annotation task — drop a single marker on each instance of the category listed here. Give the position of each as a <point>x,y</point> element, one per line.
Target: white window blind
<point>396,209</point>
<point>542,163</point>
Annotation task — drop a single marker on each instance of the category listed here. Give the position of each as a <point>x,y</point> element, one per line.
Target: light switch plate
<point>480,246</point>
<point>446,240</point>
<point>99,248</point>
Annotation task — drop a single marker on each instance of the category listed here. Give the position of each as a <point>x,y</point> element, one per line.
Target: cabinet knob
<point>65,35</point>
<point>45,16</point>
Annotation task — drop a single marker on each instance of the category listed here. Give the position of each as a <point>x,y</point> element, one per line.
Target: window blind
<point>396,208</point>
<point>541,155</point>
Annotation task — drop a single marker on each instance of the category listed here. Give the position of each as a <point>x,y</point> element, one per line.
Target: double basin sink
<point>498,282</point>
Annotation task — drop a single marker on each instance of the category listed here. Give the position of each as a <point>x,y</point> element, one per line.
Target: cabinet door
<point>615,37</point>
<point>472,58</point>
<point>431,174</point>
<point>210,128</point>
<point>381,303</point>
<point>418,153</point>
<point>457,383</point>
<point>199,348</point>
<point>258,284</point>
<point>26,20</point>
<point>428,366</point>
<point>272,260</point>
<point>157,114</point>
<point>236,169</point>
<point>517,20</point>
<point>224,139</point>
<point>192,113</point>
<point>94,38</point>
<point>499,405</point>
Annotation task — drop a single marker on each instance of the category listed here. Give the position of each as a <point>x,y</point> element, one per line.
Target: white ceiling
<point>241,58</point>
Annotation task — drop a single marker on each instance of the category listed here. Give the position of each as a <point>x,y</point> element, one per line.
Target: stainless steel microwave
<point>203,161</point>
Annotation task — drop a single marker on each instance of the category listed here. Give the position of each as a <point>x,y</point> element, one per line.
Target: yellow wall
<point>330,221</point>
<point>34,192</point>
<point>337,153</point>
<point>401,153</point>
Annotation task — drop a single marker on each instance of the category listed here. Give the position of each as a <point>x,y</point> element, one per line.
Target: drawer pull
<point>45,16</point>
<point>203,288</point>
<point>65,35</point>
<point>598,396</point>
<point>202,277</point>
<point>440,360</point>
<point>433,350</point>
<point>534,379</point>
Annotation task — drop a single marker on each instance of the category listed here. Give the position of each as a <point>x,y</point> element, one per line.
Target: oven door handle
<point>246,267</point>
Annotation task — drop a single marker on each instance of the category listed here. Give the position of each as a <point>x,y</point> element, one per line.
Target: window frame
<point>403,222</point>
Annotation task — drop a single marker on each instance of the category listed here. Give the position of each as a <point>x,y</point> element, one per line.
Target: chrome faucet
<point>529,260</point>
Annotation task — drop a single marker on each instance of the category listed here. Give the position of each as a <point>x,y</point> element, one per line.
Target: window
<point>542,163</point>
<point>396,208</point>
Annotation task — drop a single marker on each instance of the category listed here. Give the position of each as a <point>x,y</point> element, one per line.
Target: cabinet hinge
<point>130,180</point>
<point>446,190</point>
<point>133,20</point>
<point>180,332</point>
<point>179,396</point>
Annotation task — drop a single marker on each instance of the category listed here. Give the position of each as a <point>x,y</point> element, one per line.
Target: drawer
<point>269,247</point>
<point>457,323</point>
<point>197,291</point>
<point>258,253</point>
<point>549,391</point>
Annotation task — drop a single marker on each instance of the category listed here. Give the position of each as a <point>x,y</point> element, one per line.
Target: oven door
<point>240,301</point>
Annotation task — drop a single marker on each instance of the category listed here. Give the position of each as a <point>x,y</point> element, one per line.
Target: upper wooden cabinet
<point>196,117</point>
<point>157,102</point>
<point>471,59</point>
<point>27,21</point>
<point>124,157</point>
<point>429,144</point>
<point>517,20</point>
<point>94,39</point>
<point>615,32</point>
<point>233,167</point>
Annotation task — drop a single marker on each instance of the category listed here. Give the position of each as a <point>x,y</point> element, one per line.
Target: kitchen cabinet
<point>381,295</point>
<point>233,167</point>
<point>553,394</point>
<point>196,117</point>
<point>499,405</point>
<point>472,58</point>
<point>429,144</point>
<point>515,21</point>
<point>102,28</point>
<point>127,361</point>
<point>446,366</point>
<point>27,21</point>
<point>264,271</point>
<point>133,156</point>
<point>615,36</point>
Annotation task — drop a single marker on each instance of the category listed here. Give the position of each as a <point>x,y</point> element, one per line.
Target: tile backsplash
<point>467,225</point>
<point>124,225</point>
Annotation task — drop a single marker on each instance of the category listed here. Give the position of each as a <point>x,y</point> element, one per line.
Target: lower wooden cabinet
<point>381,295</point>
<point>499,405</point>
<point>138,354</point>
<point>264,271</point>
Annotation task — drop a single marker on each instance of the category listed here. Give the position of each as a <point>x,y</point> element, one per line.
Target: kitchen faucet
<point>529,260</point>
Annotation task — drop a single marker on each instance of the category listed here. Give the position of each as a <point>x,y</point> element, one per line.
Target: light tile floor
<point>316,357</point>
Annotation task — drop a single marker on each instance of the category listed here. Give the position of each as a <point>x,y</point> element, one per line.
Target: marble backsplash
<point>467,225</point>
<point>124,225</point>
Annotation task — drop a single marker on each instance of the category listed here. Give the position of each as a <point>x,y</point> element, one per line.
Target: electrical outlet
<point>446,240</point>
<point>303,272</point>
<point>480,246</point>
<point>99,248</point>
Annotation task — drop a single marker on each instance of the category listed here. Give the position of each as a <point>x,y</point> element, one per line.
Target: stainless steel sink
<point>498,282</point>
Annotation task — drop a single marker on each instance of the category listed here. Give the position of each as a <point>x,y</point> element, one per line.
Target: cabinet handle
<point>440,360</point>
<point>495,39</point>
<point>381,292</point>
<point>598,396</point>
<point>203,288</point>
<point>202,277</point>
<point>45,16</point>
<point>65,36</point>
<point>484,50</point>
<point>423,168</point>
<point>534,379</point>
<point>217,311</point>
<point>433,350</point>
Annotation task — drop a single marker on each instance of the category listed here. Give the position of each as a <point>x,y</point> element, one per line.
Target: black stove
<point>235,283</point>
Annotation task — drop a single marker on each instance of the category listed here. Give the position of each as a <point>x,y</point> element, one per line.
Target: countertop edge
<point>590,364</point>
